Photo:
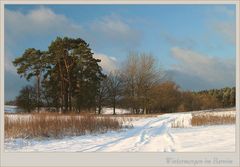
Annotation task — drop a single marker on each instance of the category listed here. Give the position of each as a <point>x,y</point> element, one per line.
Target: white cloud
<point>107,63</point>
<point>208,68</point>
<point>112,26</point>
<point>115,29</point>
<point>8,66</point>
<point>35,25</point>
<point>39,22</point>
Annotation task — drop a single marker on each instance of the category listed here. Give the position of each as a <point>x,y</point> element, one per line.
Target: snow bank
<point>22,117</point>
<point>182,120</point>
<point>205,138</point>
<point>117,110</point>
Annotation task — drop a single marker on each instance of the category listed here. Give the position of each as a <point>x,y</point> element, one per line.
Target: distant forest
<point>69,79</point>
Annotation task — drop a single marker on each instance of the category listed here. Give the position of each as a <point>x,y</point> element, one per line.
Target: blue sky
<point>195,44</point>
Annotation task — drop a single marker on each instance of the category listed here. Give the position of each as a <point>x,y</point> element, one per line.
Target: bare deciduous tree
<point>102,94</point>
<point>114,85</point>
<point>141,73</point>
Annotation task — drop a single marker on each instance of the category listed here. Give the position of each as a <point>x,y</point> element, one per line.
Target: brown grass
<point>199,120</point>
<point>57,125</point>
<point>205,118</point>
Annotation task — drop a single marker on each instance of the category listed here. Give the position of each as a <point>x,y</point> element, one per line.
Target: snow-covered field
<point>14,109</point>
<point>10,109</point>
<point>117,110</point>
<point>149,134</point>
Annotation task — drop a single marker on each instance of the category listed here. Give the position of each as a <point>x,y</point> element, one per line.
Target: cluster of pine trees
<point>69,78</point>
<point>206,99</point>
<point>225,96</point>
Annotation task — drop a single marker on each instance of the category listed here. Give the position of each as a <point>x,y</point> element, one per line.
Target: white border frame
<point>115,159</point>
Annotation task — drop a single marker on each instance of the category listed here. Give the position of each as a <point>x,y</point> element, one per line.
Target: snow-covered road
<point>153,134</point>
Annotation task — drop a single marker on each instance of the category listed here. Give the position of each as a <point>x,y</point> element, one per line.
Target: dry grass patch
<point>57,125</point>
<point>201,119</point>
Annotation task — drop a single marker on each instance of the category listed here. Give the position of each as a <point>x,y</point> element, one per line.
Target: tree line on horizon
<point>69,79</point>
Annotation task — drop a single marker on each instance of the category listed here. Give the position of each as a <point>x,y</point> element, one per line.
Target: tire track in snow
<point>144,136</point>
<point>164,140</point>
<point>155,128</point>
<point>138,138</point>
<point>125,136</point>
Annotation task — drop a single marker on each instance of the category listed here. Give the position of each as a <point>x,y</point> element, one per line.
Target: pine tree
<point>78,73</point>
<point>31,63</point>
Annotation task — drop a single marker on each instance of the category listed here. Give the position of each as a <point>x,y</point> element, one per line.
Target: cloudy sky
<point>195,44</point>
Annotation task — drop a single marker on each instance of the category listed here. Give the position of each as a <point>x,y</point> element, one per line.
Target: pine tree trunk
<point>66,99</point>
<point>114,106</point>
<point>38,92</point>
<point>70,94</point>
<point>99,109</point>
<point>61,96</point>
